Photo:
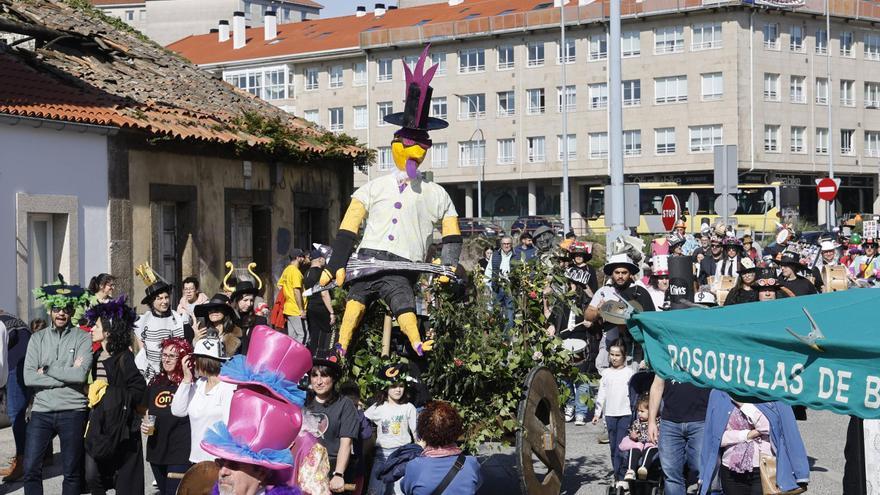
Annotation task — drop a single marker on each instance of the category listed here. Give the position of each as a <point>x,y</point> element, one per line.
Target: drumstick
<point>569,329</point>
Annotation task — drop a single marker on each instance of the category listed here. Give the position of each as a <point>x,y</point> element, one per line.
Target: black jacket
<point>120,366</point>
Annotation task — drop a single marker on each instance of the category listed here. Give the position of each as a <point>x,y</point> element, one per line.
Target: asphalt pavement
<point>588,465</point>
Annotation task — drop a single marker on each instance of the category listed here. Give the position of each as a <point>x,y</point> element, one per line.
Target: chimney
<point>453,3</point>
<point>238,38</point>
<point>223,30</point>
<point>585,2</point>
<point>361,11</point>
<point>379,11</point>
<point>270,26</point>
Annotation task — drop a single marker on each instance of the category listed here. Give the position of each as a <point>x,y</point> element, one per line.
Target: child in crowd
<point>641,451</point>
<point>612,402</point>
<point>395,418</point>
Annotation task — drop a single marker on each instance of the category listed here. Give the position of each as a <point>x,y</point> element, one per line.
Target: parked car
<point>473,227</point>
<point>530,223</point>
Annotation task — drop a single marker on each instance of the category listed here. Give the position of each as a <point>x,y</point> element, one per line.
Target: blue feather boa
<point>218,436</point>
<point>237,369</point>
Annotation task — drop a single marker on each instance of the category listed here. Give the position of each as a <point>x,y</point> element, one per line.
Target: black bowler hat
<point>244,287</point>
<point>154,290</point>
<point>217,303</point>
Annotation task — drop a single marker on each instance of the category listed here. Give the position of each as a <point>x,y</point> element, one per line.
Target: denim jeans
<point>617,427</point>
<point>578,399</point>
<point>679,443</point>
<point>17,398</point>
<point>69,426</point>
<point>506,302</point>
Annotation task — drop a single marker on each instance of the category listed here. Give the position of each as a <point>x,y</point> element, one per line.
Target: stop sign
<point>826,188</point>
<point>670,210</point>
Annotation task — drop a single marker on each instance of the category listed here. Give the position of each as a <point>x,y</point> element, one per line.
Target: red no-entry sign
<point>670,210</point>
<point>827,188</point>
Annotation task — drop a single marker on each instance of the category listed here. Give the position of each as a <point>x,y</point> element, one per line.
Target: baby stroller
<point>639,384</point>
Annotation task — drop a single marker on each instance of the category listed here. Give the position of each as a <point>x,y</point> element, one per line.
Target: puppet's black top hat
<point>418,99</point>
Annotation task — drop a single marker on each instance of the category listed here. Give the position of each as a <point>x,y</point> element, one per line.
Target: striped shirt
<point>152,329</point>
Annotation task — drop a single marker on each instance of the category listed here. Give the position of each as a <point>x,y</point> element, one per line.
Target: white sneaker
<point>569,413</point>
<point>155,485</point>
<point>629,476</point>
<point>623,485</point>
<point>580,420</point>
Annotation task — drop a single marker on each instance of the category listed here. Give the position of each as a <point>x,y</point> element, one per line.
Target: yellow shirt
<point>291,279</point>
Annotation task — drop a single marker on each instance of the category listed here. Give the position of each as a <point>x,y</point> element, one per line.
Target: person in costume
<point>113,366</point>
<point>790,277</point>
<point>56,368</point>
<point>743,291</point>
<point>395,420</point>
<point>658,282</point>
<point>216,318</point>
<point>729,262</point>
<point>828,256</point>
<point>400,210</point>
<point>865,267</point>
<point>205,399</point>
<point>168,440</point>
<point>158,323</point>
<point>676,244</point>
<point>321,316</point>
<point>709,265</point>
<point>245,318</point>
<point>767,284</point>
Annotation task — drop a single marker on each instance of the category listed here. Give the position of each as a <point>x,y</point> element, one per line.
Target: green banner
<point>746,349</point>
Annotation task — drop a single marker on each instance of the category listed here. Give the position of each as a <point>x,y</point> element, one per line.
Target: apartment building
<point>695,75</point>
<point>165,21</point>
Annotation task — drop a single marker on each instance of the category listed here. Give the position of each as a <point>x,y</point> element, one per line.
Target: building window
<point>268,83</point>
<point>471,106</point>
<point>385,70</point>
<point>847,93</point>
<point>771,87</point>
<point>438,107</point>
<point>471,153</point>
<point>536,54</point>
<point>439,59</point>
<point>312,116</point>
<point>846,141</point>
<point>129,15</point>
<point>872,46</point>
<point>632,143</point>
<point>670,89</point>
<point>669,40</point>
<point>821,91</point>
<point>598,145</point>
<point>439,155</point>
<point>506,103</point>
<point>846,44</point>
<point>599,46</point>
<point>664,141</point>
<point>361,119</point>
<point>535,149</point>
<point>796,89</point>
<point>632,92</point>
<point>631,44</point>
<point>796,39</point>
<point>360,74</point>
<point>771,138</point>
<point>411,61</point>
<point>386,160</point>
<point>336,76</point>
<point>711,86</point>
<point>706,36</point>
<point>570,98</point>
<point>771,36</point>
<point>872,144</point>
<point>821,41</point>
<point>336,119</point>
<point>471,61</point>
<point>598,95</point>
<point>506,151</point>
<point>535,99</point>
<point>798,135</point>
<point>311,79</point>
<point>572,147</point>
<point>872,95</point>
<point>821,141</point>
<point>505,57</point>
<point>570,52</point>
<point>704,138</point>
<point>384,108</point>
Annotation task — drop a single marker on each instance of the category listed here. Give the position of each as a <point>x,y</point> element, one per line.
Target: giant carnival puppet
<point>400,210</point>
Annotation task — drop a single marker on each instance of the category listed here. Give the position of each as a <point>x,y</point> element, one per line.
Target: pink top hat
<point>260,431</point>
<point>274,362</point>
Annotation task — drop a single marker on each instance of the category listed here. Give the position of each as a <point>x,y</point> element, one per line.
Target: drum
<point>834,278</point>
<point>577,348</point>
<point>199,479</point>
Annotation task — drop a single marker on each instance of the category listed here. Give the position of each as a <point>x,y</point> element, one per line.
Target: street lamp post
<point>563,58</point>
<point>830,210</point>
<point>615,127</point>
<point>481,160</point>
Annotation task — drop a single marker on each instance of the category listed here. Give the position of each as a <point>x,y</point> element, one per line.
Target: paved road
<point>588,465</point>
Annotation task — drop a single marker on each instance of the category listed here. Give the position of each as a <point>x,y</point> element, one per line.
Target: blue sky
<point>335,8</point>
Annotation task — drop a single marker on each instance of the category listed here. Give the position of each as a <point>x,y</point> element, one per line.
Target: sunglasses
<point>767,282</point>
<point>67,311</point>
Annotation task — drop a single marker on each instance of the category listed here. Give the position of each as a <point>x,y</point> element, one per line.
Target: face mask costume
<point>398,212</point>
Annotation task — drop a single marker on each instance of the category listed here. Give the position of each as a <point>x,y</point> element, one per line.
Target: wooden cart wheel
<point>199,479</point>
<point>540,443</point>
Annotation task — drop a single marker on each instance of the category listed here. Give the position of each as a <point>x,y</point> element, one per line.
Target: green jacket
<point>61,385</point>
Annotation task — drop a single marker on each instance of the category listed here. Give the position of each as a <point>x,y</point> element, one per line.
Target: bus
<point>753,213</point>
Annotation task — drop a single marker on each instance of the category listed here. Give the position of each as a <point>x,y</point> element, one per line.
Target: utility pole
<point>563,54</point>
<point>831,220</point>
<point>615,128</point>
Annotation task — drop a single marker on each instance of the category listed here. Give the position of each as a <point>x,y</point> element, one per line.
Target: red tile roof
<point>98,74</point>
<point>101,3</point>
<point>338,32</point>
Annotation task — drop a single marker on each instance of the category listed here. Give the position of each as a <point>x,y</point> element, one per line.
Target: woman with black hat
<point>790,276</point>
<point>158,323</point>
<point>216,318</point>
<point>743,291</point>
<point>243,306</point>
<point>343,425</point>
<point>320,317</point>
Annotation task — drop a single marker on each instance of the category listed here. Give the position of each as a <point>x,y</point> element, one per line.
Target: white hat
<point>705,297</point>
<point>620,261</point>
<point>661,264</point>
<point>574,345</point>
<point>828,246</point>
<point>211,347</point>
